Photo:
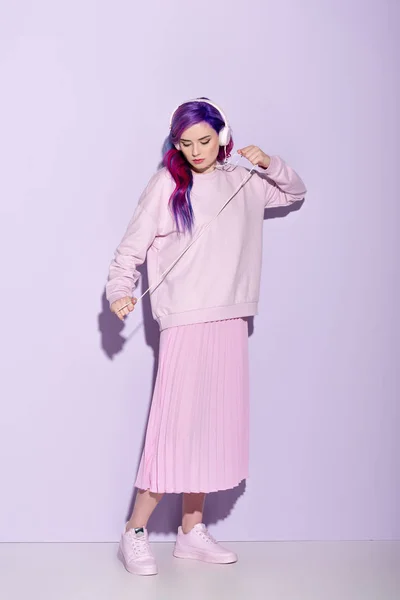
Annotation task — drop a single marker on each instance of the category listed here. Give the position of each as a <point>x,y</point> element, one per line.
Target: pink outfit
<point>219,277</point>
<point>198,431</point>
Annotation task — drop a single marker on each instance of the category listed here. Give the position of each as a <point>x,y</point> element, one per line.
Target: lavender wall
<point>87,90</point>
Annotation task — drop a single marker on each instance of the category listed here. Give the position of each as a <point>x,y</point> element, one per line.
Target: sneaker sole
<point>196,555</point>
<point>138,570</point>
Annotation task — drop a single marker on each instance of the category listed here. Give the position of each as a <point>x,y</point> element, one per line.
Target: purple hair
<point>185,116</point>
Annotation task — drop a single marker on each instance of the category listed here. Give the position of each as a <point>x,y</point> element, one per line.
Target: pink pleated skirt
<point>197,437</point>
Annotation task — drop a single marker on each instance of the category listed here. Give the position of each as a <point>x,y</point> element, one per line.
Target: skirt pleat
<point>197,437</point>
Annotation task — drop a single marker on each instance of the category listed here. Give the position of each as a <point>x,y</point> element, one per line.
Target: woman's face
<point>200,146</point>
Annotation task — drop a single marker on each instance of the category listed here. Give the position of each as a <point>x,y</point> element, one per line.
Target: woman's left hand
<point>256,156</point>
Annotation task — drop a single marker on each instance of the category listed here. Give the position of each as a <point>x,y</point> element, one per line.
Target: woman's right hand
<point>128,304</point>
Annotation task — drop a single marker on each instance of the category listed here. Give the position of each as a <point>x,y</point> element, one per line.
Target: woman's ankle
<point>134,525</point>
<point>187,525</point>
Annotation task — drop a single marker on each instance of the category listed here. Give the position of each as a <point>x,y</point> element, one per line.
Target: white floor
<point>266,570</point>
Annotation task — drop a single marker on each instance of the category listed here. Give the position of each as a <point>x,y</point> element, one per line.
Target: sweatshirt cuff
<point>273,166</point>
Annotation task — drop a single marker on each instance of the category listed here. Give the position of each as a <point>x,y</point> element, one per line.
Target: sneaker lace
<point>139,546</point>
<point>206,535</point>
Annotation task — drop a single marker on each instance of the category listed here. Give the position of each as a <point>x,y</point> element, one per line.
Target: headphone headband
<point>221,112</point>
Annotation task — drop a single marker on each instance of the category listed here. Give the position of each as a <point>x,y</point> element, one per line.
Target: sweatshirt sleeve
<point>131,252</point>
<point>282,184</point>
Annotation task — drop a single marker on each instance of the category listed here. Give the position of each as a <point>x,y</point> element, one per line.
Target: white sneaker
<point>135,553</point>
<point>200,545</point>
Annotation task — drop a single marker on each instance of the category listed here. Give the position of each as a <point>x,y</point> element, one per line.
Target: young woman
<point>198,431</point>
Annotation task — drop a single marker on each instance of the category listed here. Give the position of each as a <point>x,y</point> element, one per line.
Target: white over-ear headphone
<point>225,132</point>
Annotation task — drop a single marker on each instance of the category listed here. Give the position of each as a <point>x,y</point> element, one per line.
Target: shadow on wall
<point>167,516</point>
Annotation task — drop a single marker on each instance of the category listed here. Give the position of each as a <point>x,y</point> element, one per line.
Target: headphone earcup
<point>224,136</point>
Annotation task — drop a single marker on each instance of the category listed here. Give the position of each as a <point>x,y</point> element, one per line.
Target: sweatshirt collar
<point>204,176</point>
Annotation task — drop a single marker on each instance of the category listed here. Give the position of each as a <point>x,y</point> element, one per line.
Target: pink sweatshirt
<point>219,276</point>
